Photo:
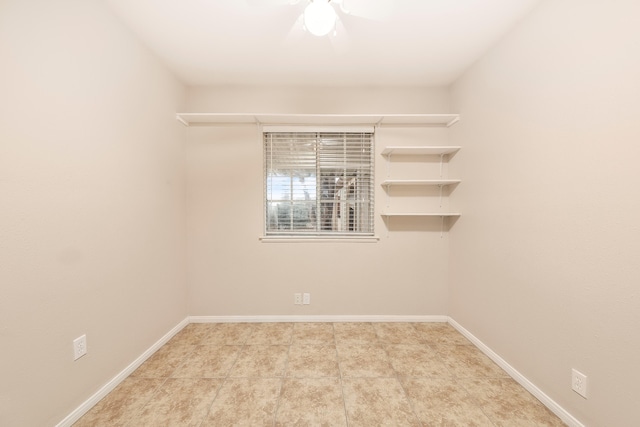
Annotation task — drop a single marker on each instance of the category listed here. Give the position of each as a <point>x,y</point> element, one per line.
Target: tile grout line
<point>224,379</point>
<point>283,377</point>
<point>340,376</point>
<point>160,386</point>
<point>213,400</point>
<point>456,379</point>
<point>474,402</point>
<point>157,390</point>
<point>404,390</point>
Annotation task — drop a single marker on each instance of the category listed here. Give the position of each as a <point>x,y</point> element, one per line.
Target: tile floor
<point>319,374</point>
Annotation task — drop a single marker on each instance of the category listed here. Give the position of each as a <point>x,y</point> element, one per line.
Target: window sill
<point>299,239</point>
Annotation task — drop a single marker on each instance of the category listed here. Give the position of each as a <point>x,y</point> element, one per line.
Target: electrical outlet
<point>579,383</point>
<point>79,347</point>
<point>306,298</point>
<point>297,299</point>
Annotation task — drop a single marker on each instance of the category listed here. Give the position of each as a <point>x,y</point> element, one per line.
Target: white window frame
<point>316,235</point>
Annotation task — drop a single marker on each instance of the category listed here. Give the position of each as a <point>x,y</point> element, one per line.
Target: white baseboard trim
<point>521,379</point>
<point>113,383</point>
<point>317,318</point>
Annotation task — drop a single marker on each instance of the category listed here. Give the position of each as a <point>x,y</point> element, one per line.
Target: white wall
<point>232,273</point>
<point>544,261</point>
<point>317,100</point>
<point>92,233</point>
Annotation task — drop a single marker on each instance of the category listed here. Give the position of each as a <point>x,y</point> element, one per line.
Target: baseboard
<point>317,318</point>
<point>113,383</point>
<point>565,416</point>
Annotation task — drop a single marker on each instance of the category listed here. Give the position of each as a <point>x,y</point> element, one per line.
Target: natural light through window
<point>318,184</point>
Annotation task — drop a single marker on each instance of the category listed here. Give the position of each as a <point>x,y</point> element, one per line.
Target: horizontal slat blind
<point>318,183</point>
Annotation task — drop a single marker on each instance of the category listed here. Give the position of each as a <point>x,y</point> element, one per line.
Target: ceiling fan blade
<point>377,10</point>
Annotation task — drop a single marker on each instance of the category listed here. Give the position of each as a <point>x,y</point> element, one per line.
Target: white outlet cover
<point>579,383</point>
<point>306,298</point>
<point>79,347</point>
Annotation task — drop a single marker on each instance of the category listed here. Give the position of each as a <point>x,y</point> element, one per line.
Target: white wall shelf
<point>219,119</point>
<point>445,153</point>
<point>418,182</point>
<point>420,150</point>
<point>427,214</point>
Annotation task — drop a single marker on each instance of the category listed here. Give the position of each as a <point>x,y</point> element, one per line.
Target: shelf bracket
<point>387,223</point>
<point>388,195</point>
<point>181,120</point>
<point>389,165</point>
<point>453,122</point>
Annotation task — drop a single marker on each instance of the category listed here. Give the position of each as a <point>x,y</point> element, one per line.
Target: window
<point>318,184</point>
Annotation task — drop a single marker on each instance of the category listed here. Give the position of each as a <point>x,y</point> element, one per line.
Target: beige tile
<point>119,406</point>
<point>271,333</point>
<point>228,334</point>
<point>179,402</point>
<point>416,361</point>
<point>191,334</point>
<point>261,361</point>
<point>377,402</point>
<point>542,416</point>
<point>311,402</point>
<point>245,402</point>
<point>440,333</point>
<point>429,359</point>
<point>355,333</point>
<point>312,361</point>
<point>208,361</point>
<point>364,361</point>
<point>398,333</point>
<point>313,333</point>
<point>443,402</point>
<point>466,361</point>
<point>506,403</point>
<point>163,362</point>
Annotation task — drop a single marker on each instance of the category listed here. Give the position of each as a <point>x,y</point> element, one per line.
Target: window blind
<point>319,183</point>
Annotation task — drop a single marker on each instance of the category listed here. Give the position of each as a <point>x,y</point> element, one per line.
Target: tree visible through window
<point>318,183</point>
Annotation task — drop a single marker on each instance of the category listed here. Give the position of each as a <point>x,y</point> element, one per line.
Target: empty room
<point>319,212</point>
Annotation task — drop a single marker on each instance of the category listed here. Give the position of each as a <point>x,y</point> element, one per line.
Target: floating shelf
<point>410,182</point>
<point>436,214</point>
<point>425,150</point>
<point>213,119</point>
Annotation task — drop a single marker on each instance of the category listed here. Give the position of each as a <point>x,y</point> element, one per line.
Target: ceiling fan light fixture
<point>320,17</point>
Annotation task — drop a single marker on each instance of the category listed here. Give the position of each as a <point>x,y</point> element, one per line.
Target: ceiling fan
<point>321,17</point>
